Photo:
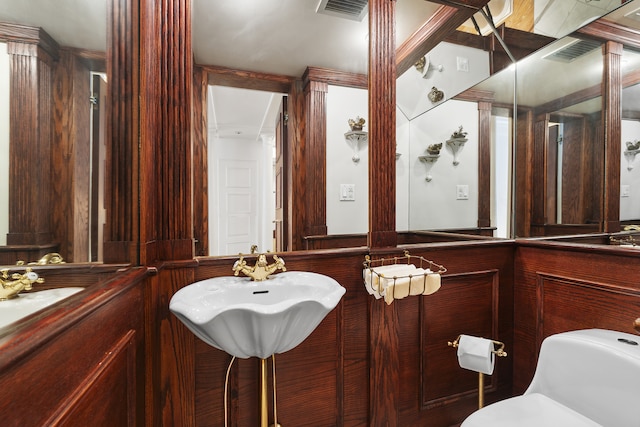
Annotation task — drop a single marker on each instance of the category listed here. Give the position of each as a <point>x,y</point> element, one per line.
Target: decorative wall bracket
<point>633,148</point>
<point>456,142</point>
<point>355,138</point>
<point>429,160</point>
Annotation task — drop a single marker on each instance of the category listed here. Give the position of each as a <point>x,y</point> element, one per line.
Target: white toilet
<point>583,378</point>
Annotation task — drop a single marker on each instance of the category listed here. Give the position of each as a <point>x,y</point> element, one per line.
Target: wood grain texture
<point>382,124</point>
<point>336,374</point>
<point>484,164</point>
<point>122,227</point>
<point>30,126</point>
<point>200,163</point>
<point>561,287</point>
<point>82,366</point>
<point>315,93</point>
<point>612,117</point>
<point>297,173</point>
<point>166,84</point>
<point>70,155</point>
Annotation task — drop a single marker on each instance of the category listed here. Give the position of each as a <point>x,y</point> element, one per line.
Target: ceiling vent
<point>355,10</point>
<point>573,50</point>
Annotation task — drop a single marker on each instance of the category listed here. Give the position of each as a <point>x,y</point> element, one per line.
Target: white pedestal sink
<point>248,318</point>
<point>256,319</point>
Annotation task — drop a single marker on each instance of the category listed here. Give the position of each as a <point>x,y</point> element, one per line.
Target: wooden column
<point>384,363</point>
<point>539,174</point>
<point>30,124</point>
<point>612,123</point>
<point>382,124</point>
<point>70,154</point>
<point>484,164</point>
<point>166,77</point>
<point>316,157</point>
<point>200,162</point>
<point>121,232</point>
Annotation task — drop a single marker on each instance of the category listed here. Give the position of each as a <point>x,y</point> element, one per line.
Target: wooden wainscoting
<point>366,362</point>
<point>80,363</point>
<point>561,288</point>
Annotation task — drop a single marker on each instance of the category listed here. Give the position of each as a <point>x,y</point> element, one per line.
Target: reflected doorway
<point>247,170</point>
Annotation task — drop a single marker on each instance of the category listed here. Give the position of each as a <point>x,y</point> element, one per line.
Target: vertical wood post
<point>612,124</point>
<point>30,123</point>
<point>384,364</point>
<point>382,124</point>
<point>166,80</point>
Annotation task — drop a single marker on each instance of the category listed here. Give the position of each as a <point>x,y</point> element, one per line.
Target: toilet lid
<point>530,410</point>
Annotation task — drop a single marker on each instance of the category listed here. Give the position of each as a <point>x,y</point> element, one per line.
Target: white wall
<point>419,204</point>
<point>433,205</point>
<point>344,217</point>
<point>4,144</point>
<point>412,88</point>
<point>403,127</point>
<point>630,206</point>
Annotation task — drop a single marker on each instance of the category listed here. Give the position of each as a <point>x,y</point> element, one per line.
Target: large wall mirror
<point>52,74</point>
<point>243,123</point>
<point>432,194</point>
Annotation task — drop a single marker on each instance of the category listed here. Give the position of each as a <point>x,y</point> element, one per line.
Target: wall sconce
<point>426,68</point>
<point>435,95</point>
<point>432,156</point>
<point>456,142</point>
<point>633,148</point>
<point>356,136</point>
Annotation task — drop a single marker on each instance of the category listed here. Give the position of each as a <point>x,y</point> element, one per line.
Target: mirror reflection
<point>51,140</point>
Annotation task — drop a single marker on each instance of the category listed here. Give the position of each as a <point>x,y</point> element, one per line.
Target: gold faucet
<point>11,285</point>
<point>262,270</point>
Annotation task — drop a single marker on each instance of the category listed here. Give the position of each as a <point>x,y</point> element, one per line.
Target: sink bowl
<point>28,303</point>
<point>256,319</point>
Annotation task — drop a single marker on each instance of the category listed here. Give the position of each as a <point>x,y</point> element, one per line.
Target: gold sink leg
<point>480,390</point>
<point>264,413</point>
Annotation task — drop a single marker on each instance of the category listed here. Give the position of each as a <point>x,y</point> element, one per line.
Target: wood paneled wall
<point>333,377</point>
<point>81,363</point>
<point>561,288</point>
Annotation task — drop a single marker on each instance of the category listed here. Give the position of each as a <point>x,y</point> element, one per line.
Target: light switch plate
<point>462,192</point>
<point>347,192</point>
<point>625,190</point>
<point>462,64</point>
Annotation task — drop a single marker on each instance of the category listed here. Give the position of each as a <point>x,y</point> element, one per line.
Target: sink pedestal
<point>264,412</point>
<point>264,401</point>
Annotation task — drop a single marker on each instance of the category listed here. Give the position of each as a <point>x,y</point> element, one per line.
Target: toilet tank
<point>594,372</point>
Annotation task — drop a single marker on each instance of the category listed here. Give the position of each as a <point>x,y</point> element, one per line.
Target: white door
<point>235,207</point>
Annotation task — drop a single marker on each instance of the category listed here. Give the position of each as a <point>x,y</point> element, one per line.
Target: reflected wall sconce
<point>456,142</point>
<point>356,137</point>
<point>435,95</point>
<point>432,156</point>
<point>426,68</point>
<point>633,148</point>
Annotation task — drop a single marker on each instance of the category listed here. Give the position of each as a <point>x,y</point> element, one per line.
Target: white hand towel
<point>394,284</point>
<point>476,354</point>
<point>372,275</point>
<point>433,284</point>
